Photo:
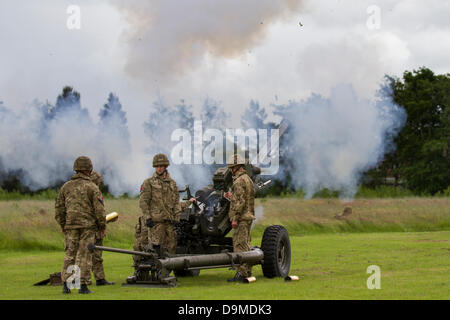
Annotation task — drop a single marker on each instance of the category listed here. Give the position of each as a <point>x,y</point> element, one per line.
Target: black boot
<point>103,282</point>
<point>65,288</point>
<point>237,278</point>
<point>84,289</point>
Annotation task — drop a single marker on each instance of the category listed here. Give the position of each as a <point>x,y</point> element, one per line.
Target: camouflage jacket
<point>160,200</point>
<point>242,200</point>
<point>79,204</point>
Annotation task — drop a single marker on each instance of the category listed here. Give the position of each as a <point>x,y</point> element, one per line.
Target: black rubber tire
<point>186,273</point>
<point>277,252</point>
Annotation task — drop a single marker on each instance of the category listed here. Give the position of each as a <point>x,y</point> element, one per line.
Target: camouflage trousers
<point>163,234</point>
<point>97,260</point>
<point>141,234</point>
<point>241,243</point>
<point>77,241</point>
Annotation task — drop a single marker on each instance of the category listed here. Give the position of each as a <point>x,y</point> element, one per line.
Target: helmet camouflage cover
<point>82,163</point>
<point>160,160</point>
<point>235,160</point>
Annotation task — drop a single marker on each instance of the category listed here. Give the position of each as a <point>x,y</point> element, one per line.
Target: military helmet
<point>160,160</point>
<point>96,178</point>
<point>235,160</point>
<point>82,163</point>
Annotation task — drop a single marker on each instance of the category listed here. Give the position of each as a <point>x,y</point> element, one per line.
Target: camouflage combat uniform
<point>242,210</point>
<point>97,260</point>
<point>160,201</point>
<point>80,211</point>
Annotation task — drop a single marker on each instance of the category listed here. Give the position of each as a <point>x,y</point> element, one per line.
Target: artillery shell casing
<point>291,278</point>
<point>249,279</point>
<point>113,216</point>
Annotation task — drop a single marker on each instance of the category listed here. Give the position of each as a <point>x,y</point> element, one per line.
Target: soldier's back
<point>245,184</point>
<point>78,196</point>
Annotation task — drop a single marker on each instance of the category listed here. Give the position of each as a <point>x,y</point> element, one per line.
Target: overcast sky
<point>231,51</point>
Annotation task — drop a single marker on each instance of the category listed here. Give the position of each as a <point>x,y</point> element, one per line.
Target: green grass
<point>407,237</point>
<point>383,191</point>
<point>30,224</point>
<point>368,215</point>
<point>331,266</point>
<point>48,194</point>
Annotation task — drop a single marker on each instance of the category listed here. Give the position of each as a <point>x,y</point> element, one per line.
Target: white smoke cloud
<point>333,141</point>
<point>362,60</point>
<point>165,39</point>
<point>330,142</point>
<point>168,37</point>
<point>40,148</point>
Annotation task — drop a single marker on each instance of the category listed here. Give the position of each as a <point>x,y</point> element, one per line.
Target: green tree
<point>422,157</point>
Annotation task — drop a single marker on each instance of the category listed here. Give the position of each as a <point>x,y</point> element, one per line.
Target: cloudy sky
<point>230,51</point>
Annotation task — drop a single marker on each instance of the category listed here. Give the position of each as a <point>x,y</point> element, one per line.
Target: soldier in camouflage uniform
<point>161,207</point>
<point>97,260</point>
<point>242,212</point>
<point>79,210</point>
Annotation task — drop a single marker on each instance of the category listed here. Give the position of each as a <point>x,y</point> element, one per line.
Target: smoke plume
<point>332,141</point>
<point>169,37</point>
<point>40,145</point>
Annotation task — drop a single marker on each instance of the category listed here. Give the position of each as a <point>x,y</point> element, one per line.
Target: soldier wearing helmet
<point>242,211</point>
<point>97,260</point>
<point>160,204</point>
<point>79,210</point>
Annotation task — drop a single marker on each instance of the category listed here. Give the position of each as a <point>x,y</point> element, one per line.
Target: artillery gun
<point>202,241</point>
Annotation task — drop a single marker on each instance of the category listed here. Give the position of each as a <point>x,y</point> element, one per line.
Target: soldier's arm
<point>178,206</point>
<point>145,198</point>
<point>237,201</point>
<point>99,208</point>
<point>60,209</point>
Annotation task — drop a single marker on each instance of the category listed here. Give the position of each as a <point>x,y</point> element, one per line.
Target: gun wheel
<point>277,252</point>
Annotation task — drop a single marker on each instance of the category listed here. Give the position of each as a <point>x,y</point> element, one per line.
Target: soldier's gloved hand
<point>234,224</point>
<point>149,223</point>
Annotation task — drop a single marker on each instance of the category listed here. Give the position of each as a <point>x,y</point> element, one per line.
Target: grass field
<point>408,238</point>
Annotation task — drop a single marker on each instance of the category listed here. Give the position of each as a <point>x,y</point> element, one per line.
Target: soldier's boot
<point>84,289</point>
<point>237,278</point>
<point>65,289</point>
<point>103,282</point>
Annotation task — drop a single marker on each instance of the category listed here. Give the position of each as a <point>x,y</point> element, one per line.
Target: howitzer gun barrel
<point>217,260</point>
<point>192,262</point>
